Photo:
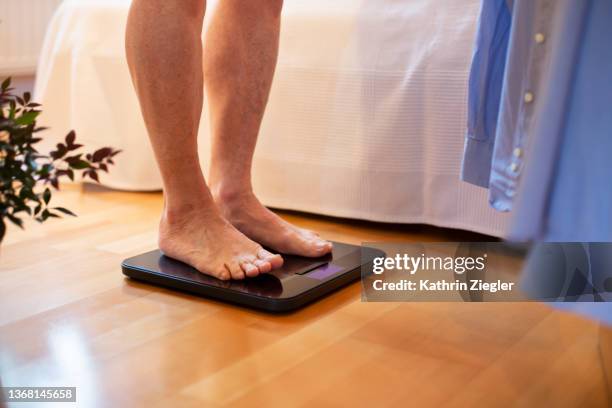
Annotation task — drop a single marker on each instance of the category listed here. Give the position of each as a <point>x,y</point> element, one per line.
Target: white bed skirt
<point>366,115</point>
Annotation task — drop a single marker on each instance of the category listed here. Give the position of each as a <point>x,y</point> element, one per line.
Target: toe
<point>315,240</point>
<point>315,247</point>
<point>223,273</point>
<point>263,266</point>
<point>235,270</point>
<point>275,260</point>
<point>250,269</point>
<point>324,246</point>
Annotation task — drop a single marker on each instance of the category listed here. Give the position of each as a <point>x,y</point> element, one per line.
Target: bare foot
<point>203,239</point>
<point>255,221</point>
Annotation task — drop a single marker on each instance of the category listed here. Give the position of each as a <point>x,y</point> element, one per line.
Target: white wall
<point>22,29</point>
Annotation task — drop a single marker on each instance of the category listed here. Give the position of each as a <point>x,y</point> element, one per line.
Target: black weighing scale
<point>298,282</point>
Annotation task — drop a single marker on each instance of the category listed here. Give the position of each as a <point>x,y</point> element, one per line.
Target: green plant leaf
<point>12,107</point>
<point>24,170</point>
<point>2,228</point>
<point>101,154</point>
<point>73,159</point>
<point>59,153</point>
<point>79,165</point>
<point>65,211</point>
<point>27,118</point>
<point>17,221</point>
<point>47,195</point>
<point>70,138</point>
<point>94,176</point>
<point>26,192</point>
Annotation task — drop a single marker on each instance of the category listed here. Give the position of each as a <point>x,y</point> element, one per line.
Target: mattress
<point>366,116</point>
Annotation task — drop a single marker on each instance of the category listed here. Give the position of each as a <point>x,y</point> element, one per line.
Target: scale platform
<point>298,282</point>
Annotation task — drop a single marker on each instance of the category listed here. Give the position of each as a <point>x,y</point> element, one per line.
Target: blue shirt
<point>540,116</point>
<point>540,124</point>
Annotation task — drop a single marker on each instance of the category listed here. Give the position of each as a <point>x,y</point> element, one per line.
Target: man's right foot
<point>209,243</point>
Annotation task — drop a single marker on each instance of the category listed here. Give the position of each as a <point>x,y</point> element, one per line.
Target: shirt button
<point>517,152</point>
<point>528,97</point>
<point>539,38</point>
<point>513,167</point>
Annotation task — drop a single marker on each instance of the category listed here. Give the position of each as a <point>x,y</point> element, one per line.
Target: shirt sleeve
<point>485,88</point>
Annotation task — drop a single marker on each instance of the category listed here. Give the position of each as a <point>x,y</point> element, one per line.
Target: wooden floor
<point>68,317</point>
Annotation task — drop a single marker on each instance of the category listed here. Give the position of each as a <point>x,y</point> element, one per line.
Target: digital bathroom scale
<point>298,282</point>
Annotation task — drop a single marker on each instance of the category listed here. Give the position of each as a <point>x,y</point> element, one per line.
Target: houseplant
<point>28,177</point>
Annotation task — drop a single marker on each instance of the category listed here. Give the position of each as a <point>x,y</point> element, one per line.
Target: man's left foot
<point>261,225</point>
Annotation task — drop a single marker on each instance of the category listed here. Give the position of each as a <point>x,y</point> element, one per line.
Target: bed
<point>366,115</point>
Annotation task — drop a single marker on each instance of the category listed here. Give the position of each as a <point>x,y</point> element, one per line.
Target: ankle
<point>230,196</point>
<point>183,212</point>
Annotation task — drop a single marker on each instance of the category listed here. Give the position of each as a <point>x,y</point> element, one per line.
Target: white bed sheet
<point>366,116</point>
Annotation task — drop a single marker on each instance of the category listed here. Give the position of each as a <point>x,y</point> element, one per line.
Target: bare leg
<point>165,57</point>
<point>240,58</point>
